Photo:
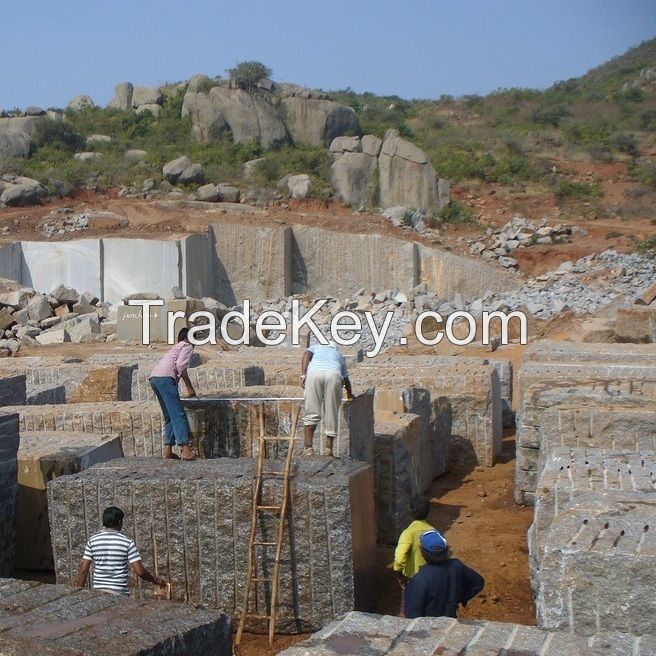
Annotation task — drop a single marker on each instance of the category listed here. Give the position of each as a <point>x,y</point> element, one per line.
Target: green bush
<point>275,165</point>
<point>57,134</point>
<point>455,212</point>
<point>567,190</point>
<point>247,74</point>
<point>645,172</point>
<point>550,115</point>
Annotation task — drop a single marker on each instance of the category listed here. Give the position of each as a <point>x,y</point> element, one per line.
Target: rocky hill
<point>274,140</point>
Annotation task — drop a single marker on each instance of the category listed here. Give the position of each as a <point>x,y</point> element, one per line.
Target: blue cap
<point>432,541</point>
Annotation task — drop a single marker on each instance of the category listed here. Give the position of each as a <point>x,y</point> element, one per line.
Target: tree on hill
<point>247,74</point>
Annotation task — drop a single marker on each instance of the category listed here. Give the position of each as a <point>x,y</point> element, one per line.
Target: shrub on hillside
<point>247,74</point>
<point>568,190</point>
<point>57,134</point>
<point>455,212</point>
<point>550,115</point>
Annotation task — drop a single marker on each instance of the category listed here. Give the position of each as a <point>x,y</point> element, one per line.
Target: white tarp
<point>76,263</point>
<point>139,265</point>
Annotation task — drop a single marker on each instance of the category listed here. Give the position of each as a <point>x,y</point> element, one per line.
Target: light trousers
<point>323,397</point>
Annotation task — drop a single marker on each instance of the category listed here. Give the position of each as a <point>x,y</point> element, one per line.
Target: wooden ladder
<point>252,578</point>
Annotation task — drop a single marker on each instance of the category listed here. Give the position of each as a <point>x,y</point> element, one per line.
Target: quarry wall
<point>233,261</point>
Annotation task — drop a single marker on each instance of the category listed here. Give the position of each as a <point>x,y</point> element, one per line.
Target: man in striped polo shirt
<point>111,552</point>
<point>323,373</point>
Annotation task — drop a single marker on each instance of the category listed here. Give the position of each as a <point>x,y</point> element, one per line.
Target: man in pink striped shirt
<point>164,379</point>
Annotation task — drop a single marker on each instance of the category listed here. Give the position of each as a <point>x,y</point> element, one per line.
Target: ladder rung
<point>269,507</point>
<point>273,473</point>
<point>258,617</point>
<point>274,438</point>
<point>265,544</point>
<point>258,580</point>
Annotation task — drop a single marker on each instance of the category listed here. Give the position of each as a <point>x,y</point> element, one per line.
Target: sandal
<point>189,459</point>
<point>173,456</point>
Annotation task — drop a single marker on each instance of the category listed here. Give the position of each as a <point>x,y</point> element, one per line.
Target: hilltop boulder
<point>183,170</point>
<point>252,118</point>
<point>406,176</point>
<point>122,96</point>
<point>146,96</point>
<point>317,122</point>
<point>81,102</point>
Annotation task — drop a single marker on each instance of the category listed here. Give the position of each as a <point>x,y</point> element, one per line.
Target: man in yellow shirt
<point>408,557</point>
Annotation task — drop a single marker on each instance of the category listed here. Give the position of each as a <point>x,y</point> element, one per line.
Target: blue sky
<point>52,51</point>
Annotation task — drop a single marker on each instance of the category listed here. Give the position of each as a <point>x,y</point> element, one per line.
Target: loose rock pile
<point>518,233</point>
<point>582,287</point>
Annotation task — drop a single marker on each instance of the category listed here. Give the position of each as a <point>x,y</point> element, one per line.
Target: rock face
<point>406,176</point>
<point>251,118</point>
<point>122,96</point>
<point>318,122</point>
<point>56,620</point>
<point>330,503</point>
<point>14,144</point>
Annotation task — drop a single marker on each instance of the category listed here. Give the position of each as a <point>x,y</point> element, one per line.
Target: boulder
<point>6,318</point>
<point>406,176</point>
<point>345,145</point>
<point>39,308</point>
<point>25,124</point>
<point>228,193</point>
<point>353,179</point>
<point>81,102</point>
<point>14,144</point>
<point>98,138</point>
<point>150,107</point>
<point>193,174</point>
<point>174,169</point>
<point>88,156</point>
<point>22,191</point>
<point>33,110</point>
<point>16,299</point>
<point>146,96</point>
<point>81,328</point>
<point>300,186</point>
<point>65,294</point>
<point>371,145</point>
<point>136,154</point>
<point>55,336</point>
<point>208,122</point>
<point>248,170</point>
<point>122,96</point>
<point>251,118</point>
<point>318,122</point>
<point>208,193</point>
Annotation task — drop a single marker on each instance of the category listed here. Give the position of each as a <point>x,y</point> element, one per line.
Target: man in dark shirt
<point>442,584</point>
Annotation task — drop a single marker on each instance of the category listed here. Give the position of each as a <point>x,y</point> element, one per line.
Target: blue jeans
<point>176,428</point>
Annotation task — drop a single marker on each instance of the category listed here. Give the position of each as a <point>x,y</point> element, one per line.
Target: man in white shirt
<point>323,374</point>
<point>111,552</point>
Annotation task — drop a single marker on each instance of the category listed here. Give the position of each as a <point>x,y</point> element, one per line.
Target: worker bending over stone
<point>323,374</point>
<point>164,379</point>
<point>111,553</point>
